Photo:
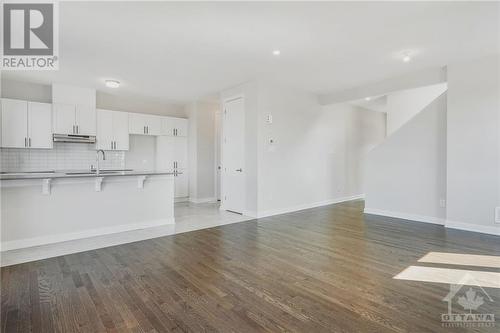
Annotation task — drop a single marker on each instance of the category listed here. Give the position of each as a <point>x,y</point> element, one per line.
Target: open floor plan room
<point>236,166</point>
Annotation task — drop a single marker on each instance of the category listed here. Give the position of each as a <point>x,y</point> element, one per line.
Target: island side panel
<point>74,209</point>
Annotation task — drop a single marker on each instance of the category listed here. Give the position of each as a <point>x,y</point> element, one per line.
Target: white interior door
<point>233,155</point>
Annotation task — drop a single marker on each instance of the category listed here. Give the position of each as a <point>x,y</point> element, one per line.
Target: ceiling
<point>178,52</point>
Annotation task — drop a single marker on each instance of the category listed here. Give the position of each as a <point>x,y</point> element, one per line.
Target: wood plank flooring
<point>328,269</point>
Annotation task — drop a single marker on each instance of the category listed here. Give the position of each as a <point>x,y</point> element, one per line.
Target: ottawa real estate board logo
<point>30,38</point>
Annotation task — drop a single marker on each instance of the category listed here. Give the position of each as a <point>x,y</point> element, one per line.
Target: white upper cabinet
<point>74,119</point>
<point>63,118</point>
<point>26,124</point>
<point>153,124</point>
<point>14,123</point>
<point>104,139</point>
<point>120,130</point>
<point>85,120</point>
<point>144,124</point>
<point>39,125</point>
<point>174,126</point>
<point>181,127</point>
<point>112,130</point>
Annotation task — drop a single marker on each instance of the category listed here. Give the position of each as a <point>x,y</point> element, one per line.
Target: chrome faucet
<point>97,159</point>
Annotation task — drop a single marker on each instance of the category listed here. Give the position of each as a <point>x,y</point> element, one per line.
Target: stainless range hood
<point>74,138</point>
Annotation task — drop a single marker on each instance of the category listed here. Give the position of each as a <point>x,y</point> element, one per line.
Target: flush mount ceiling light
<point>276,52</point>
<point>406,57</point>
<point>368,98</point>
<point>112,83</point>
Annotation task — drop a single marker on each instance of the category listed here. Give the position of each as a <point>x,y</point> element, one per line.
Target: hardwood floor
<point>328,269</point>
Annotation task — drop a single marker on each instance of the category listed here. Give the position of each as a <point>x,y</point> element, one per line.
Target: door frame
<point>218,152</point>
<point>222,162</point>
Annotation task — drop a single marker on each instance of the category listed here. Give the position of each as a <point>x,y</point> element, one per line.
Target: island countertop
<point>81,174</point>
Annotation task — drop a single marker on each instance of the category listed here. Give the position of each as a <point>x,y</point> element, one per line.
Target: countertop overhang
<point>82,174</point>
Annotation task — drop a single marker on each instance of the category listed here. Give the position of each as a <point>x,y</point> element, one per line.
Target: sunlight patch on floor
<point>461,259</point>
<point>450,276</point>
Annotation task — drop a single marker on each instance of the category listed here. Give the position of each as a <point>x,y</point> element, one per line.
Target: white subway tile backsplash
<point>63,156</point>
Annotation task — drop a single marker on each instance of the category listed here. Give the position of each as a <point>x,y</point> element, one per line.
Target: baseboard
<point>203,200</point>
<point>406,216</point>
<point>291,209</point>
<point>44,240</point>
<point>484,229</point>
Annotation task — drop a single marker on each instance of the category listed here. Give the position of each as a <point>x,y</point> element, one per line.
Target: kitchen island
<point>48,207</point>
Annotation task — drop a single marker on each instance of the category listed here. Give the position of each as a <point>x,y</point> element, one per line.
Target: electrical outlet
<point>497,215</point>
<point>442,203</point>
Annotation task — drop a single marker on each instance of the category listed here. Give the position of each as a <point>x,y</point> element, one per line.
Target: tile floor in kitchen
<point>188,217</point>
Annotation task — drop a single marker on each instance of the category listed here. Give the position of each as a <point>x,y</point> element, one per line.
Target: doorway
<point>233,155</point>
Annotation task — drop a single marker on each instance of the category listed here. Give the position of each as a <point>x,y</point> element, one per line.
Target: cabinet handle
<point>26,143</point>
<point>144,129</point>
<point>111,144</point>
<point>73,129</point>
<point>176,132</point>
<point>115,145</point>
<point>29,142</point>
<point>147,128</point>
<point>77,129</point>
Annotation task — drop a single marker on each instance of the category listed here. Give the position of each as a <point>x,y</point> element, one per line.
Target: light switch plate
<point>442,203</point>
<point>497,214</point>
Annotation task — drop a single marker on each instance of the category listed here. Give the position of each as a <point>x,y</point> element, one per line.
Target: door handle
<point>239,170</point>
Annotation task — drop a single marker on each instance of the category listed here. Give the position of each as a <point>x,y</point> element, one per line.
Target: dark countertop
<point>80,174</point>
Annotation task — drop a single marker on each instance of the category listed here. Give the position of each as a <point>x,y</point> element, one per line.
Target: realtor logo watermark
<point>30,38</point>
<point>470,296</point>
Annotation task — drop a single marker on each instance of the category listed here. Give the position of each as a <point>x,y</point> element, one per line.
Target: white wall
<point>413,80</point>
<point>202,150</point>
<point>142,153</point>
<point>43,93</point>
<point>473,144</point>
<point>27,91</point>
<point>406,174</point>
<point>317,157</point>
<point>403,105</point>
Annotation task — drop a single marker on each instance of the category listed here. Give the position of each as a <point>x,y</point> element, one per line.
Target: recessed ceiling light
<point>276,52</point>
<point>406,58</point>
<point>368,98</point>
<point>112,83</point>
